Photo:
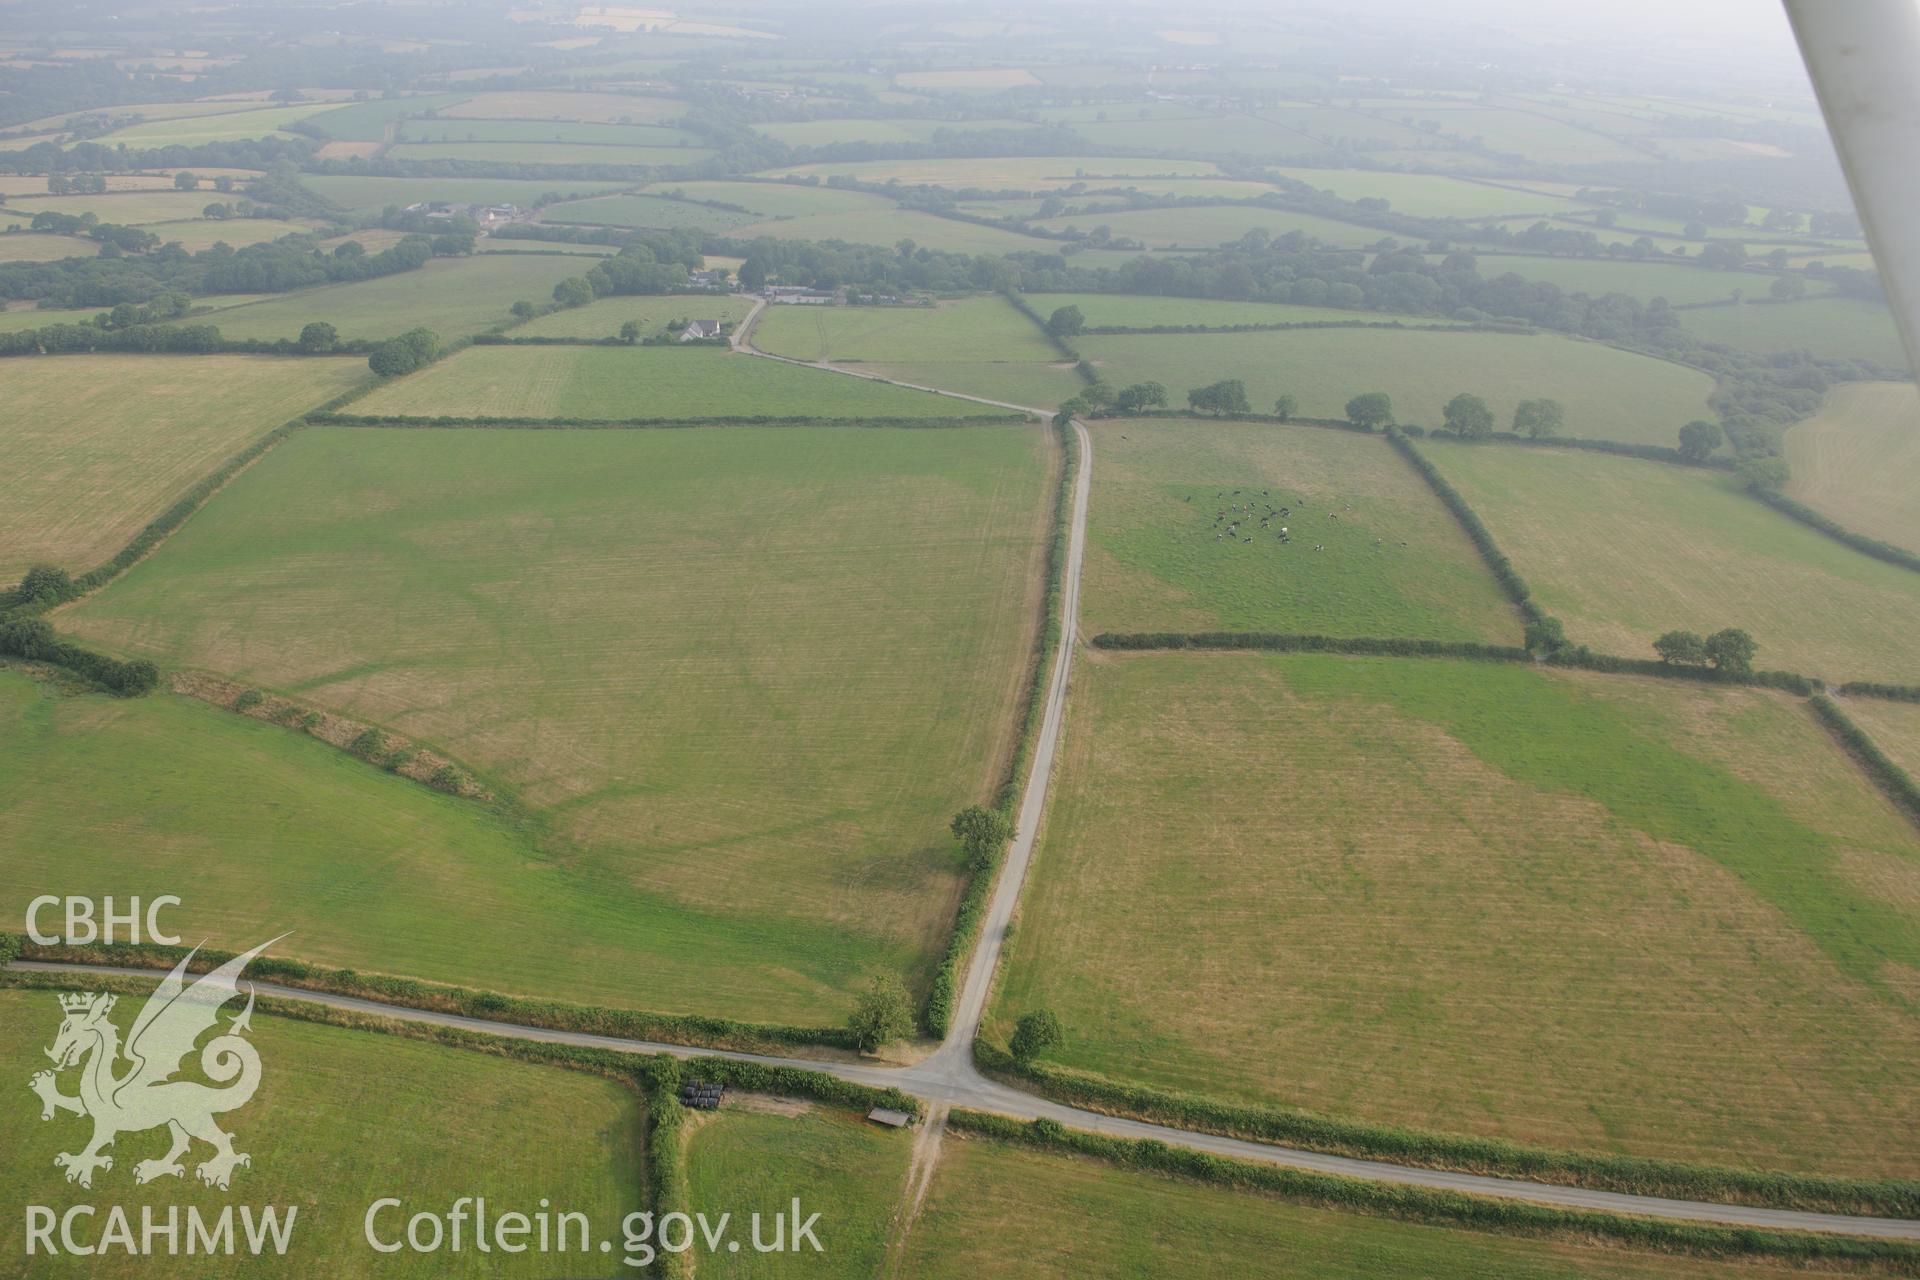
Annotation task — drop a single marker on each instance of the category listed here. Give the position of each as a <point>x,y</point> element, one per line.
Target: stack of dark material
<point>701,1096</point>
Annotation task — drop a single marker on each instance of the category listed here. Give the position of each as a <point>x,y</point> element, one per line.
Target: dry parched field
<point>982,329</point>
<point>1858,461</point>
<point>342,1118</point>
<point>1159,559</point>
<point>615,383</point>
<point>1624,550</point>
<point>741,678</point>
<point>1593,912</point>
<point>1894,728</point>
<point>97,445</point>
<point>1009,1212</point>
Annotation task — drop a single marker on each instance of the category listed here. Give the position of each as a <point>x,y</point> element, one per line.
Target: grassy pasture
<point>642,382</point>
<point>821,133</point>
<point>556,104</point>
<point>974,330</point>
<point>1589,912</point>
<point>204,233</point>
<point>454,297</point>
<point>1840,327</point>
<point>373,194</point>
<point>778,199</point>
<point>129,208</point>
<point>17,318</point>
<point>852,1173</point>
<point>1426,195</point>
<point>1894,728</point>
<point>1205,226</point>
<point>97,445</point>
<point>547,153</point>
<point>1858,460</point>
<point>1031,385</point>
<point>1154,562</point>
<point>501,245</point>
<point>147,111</point>
<point>1220,135</point>
<point>737,801</point>
<point>1608,394</point>
<point>42,248</point>
<point>545,131</point>
<point>371,121</point>
<point>1623,550</point>
<point>1646,281</point>
<point>1139,311</point>
<point>342,1118</point>
<point>226,126</point>
<point>969,79</point>
<point>1001,1210</point>
<point>646,211</point>
<point>602,319</point>
<point>889,226</point>
<point>997,173</point>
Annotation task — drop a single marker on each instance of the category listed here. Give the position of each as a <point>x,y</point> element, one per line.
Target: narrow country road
<point>948,1077</point>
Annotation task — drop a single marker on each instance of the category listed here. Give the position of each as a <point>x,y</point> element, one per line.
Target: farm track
<point>949,1078</point>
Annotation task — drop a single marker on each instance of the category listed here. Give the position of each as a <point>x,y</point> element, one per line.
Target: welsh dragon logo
<point>145,1095</point>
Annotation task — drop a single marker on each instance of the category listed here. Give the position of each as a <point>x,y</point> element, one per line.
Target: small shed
<point>890,1118</point>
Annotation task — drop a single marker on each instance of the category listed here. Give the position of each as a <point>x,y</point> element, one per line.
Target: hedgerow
<point>1890,692</point>
<point>1391,646</point>
<point>688,1029</point>
<point>1504,573</point>
<point>938,1012</point>
<point>1838,532</point>
<point>1424,1204</point>
<point>1633,1175</point>
<point>615,424</point>
<point>1890,777</point>
<point>34,640</point>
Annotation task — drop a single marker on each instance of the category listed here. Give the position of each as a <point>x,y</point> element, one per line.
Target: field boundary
<point>1631,1175</point>
<point>1427,1205</point>
<point>937,1012</point>
<point>631,424</point>
<point>695,1030</point>
<point>1512,585</point>
<point>1893,781</point>
<point>1795,510</point>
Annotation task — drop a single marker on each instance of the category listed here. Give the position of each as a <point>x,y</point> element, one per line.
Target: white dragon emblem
<point>146,1096</point>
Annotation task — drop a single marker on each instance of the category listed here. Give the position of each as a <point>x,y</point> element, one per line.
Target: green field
<point>1034,386</point>
<point>1840,327</point>
<point>1427,195</point>
<point>370,121</point>
<point>204,233</point>
<point>227,126</point>
<point>454,297</point>
<point>343,1118</point>
<point>646,211</point>
<point>821,133</point>
<point>888,227</point>
<point>556,104</point>
<point>1858,460</point>
<point>1002,173</point>
<point>737,801</point>
<point>1004,1211</point>
<point>1894,728</point>
<point>1623,550</point>
<point>505,244</point>
<point>1609,394</point>
<point>1590,912</point>
<point>653,314</point>
<point>128,208</point>
<point>610,383</point>
<point>1158,560</point>
<point>556,153</point>
<point>42,248</point>
<point>757,1154</point>
<point>544,131</point>
<point>1676,282</point>
<point>1207,226</point>
<point>777,199</point>
<point>975,330</point>
<point>98,445</point>
<point>1140,311</point>
<point>374,194</point>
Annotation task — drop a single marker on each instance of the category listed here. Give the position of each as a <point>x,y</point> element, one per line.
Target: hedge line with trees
<point>1839,533</point>
<point>1429,1205</point>
<point>984,862</point>
<point>1896,782</point>
<point>1635,1175</point>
